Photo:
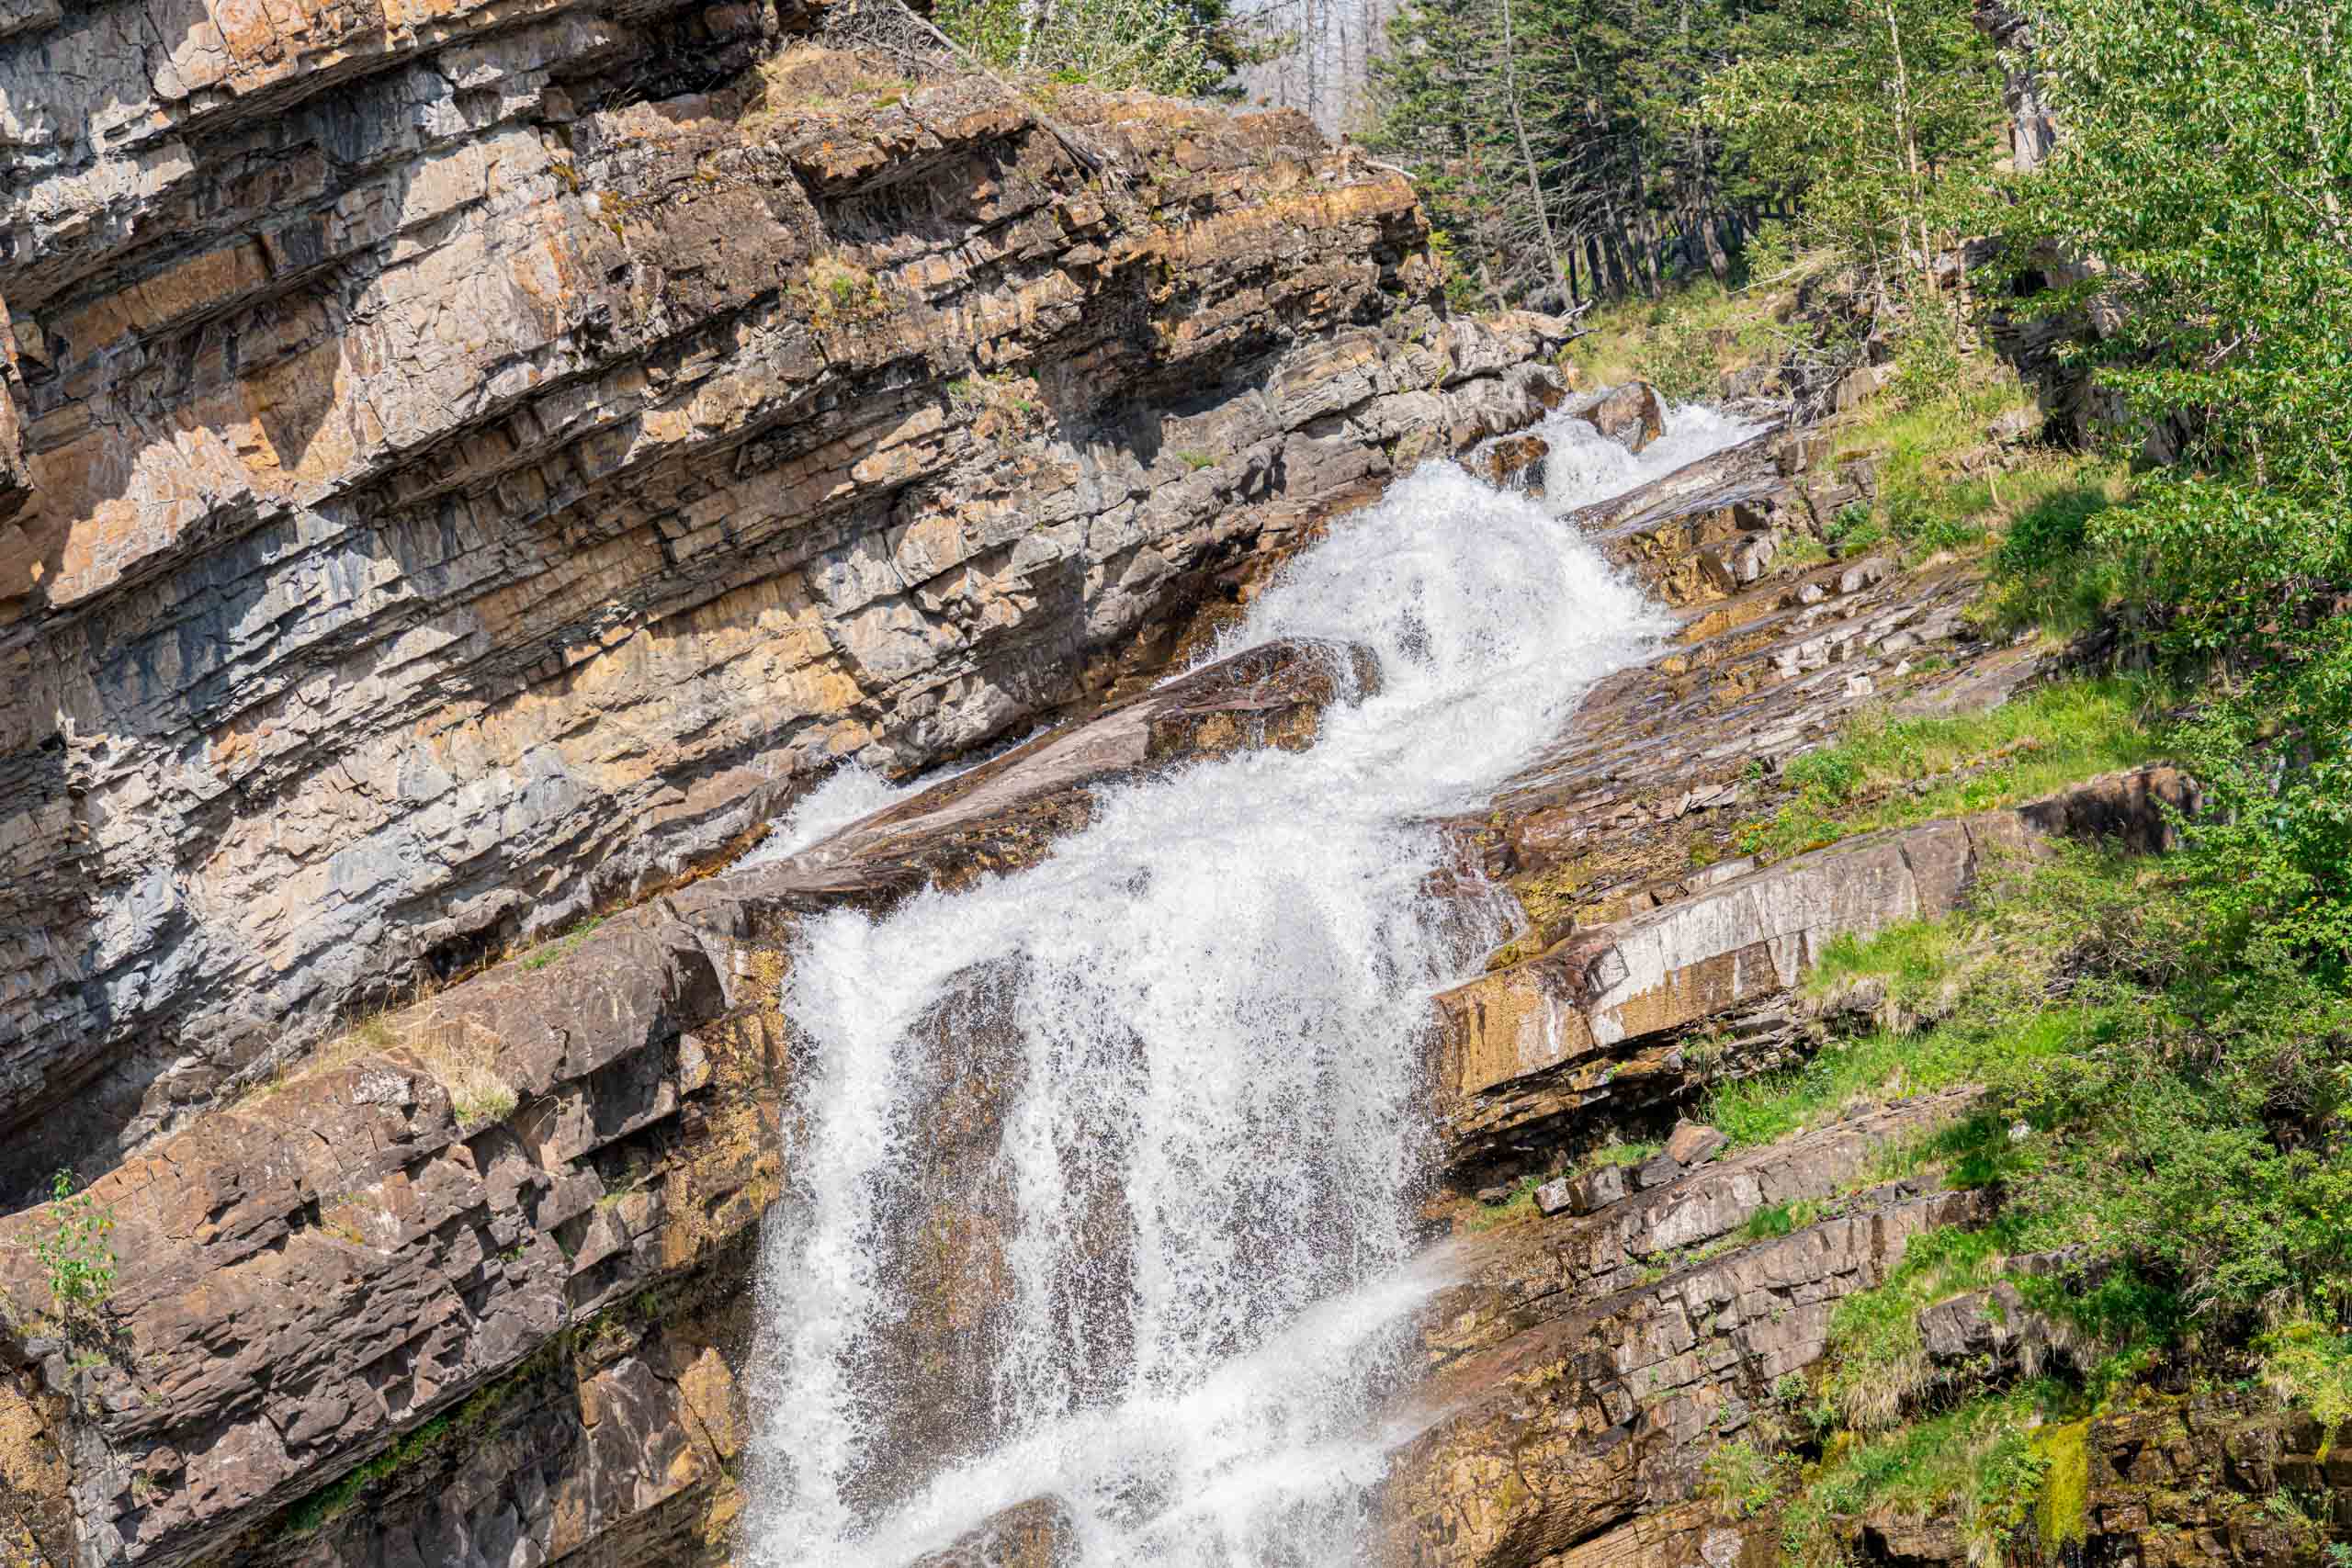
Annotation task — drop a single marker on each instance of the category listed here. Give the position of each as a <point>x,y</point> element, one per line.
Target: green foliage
<point>1616,1153</point>
<point>2057,735</point>
<point>2043,572</point>
<point>331,1503</point>
<point>1740,1479</point>
<point>75,1252</point>
<point>1877,1365</point>
<point>2206,164</point>
<point>1880,1065</point>
<point>1916,958</point>
<point>2308,1364</point>
<point>1825,778</point>
<point>1634,186</point>
<point>1781,1219</point>
<point>1853,530</point>
<point>2270,860</point>
<point>1183,48</point>
<point>1935,410</point>
<point>2167,1044</point>
<point>1877,122</point>
<point>1978,1462</point>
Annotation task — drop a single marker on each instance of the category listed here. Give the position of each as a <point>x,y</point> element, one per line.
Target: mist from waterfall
<point>1216,1004</point>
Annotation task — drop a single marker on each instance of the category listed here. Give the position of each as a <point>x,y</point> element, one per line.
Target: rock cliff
<point>467,465</point>
<point>465,469</point>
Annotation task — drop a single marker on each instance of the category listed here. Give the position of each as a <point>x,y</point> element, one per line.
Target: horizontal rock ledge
<point>1593,1022</point>
<point>1000,814</point>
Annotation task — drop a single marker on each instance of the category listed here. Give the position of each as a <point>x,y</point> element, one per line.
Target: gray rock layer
<point>466,464</point>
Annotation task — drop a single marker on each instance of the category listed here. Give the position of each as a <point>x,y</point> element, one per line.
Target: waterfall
<point>1206,1020</point>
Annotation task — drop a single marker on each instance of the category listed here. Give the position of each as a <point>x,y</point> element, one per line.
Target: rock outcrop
<point>512,1224</point>
<point>467,464</point>
<point>1600,1025</point>
<point>465,469</point>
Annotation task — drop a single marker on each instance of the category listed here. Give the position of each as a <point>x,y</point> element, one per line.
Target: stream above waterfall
<point>1206,1019</point>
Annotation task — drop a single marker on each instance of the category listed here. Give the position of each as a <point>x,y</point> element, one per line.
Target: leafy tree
<point>1185,48</point>
<point>2196,211</point>
<point>2193,218</point>
<point>1874,119</point>
<point>1578,125</point>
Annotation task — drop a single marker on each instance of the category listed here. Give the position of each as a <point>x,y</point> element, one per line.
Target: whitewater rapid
<point>1219,1000</point>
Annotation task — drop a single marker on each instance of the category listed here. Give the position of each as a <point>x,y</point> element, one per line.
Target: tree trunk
<point>1918,213</point>
<point>1527,153</point>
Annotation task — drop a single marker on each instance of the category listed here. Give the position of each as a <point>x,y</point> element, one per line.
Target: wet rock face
<point>1002,815</point>
<point>463,467</point>
<point>1630,415</point>
<point>1033,1535</point>
<point>540,1285</point>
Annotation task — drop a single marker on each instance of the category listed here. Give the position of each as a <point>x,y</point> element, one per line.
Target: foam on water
<point>1219,998</point>
<point>851,791</point>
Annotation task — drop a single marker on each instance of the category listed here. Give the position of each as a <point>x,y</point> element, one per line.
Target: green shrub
<point>1152,46</point>
<point>75,1252</point>
<point>2308,1364</point>
<point>1853,530</point>
<point>1742,1479</point>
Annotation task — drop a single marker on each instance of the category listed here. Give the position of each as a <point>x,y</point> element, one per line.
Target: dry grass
<point>807,80</point>
<point>33,1475</point>
<point>459,1055</point>
<point>840,290</point>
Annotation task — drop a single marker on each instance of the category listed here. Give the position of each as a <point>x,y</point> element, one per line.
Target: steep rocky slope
<point>470,468</point>
<point>467,465</point>
<point>382,1313</point>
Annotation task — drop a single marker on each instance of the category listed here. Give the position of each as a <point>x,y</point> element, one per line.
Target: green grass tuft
<point>559,948</point>
<point>1884,1064</point>
<point>2032,747</point>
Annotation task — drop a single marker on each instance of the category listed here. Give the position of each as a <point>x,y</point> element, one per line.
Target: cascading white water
<point>1216,998</point>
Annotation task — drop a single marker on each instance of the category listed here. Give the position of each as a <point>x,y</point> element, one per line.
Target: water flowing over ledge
<point>1206,1008</point>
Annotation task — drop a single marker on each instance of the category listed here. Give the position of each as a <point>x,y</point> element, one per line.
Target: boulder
<point>1513,461</point>
<point>1693,1143</point>
<point>1630,415</point>
<point>1036,1534</point>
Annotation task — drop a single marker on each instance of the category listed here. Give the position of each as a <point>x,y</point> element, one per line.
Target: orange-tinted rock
<point>481,462</point>
<point>1513,461</point>
<point>1033,1535</point>
<point>1630,415</point>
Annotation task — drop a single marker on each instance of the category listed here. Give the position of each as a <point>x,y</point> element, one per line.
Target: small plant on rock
<point>76,1253</point>
<point>1742,1479</point>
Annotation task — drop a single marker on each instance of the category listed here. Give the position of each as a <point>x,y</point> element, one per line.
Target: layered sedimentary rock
<point>467,464</point>
<point>465,467</point>
<point>512,1225</point>
<point>1598,1025</point>
<point>1603,1411</point>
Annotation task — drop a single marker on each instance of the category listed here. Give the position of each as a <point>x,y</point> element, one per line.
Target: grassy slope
<point>1984,996</point>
